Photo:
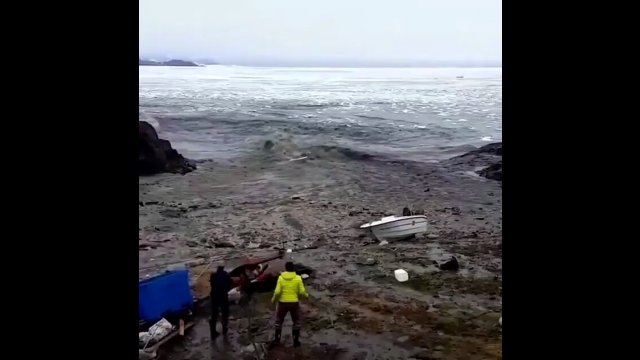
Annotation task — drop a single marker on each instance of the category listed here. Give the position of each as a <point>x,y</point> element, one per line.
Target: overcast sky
<point>257,31</point>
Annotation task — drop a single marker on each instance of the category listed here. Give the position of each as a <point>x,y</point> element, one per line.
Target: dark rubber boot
<point>276,341</point>
<point>296,338</point>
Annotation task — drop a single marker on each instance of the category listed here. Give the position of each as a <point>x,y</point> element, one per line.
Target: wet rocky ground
<point>314,206</point>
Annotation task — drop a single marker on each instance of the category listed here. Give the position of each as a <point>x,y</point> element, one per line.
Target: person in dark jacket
<point>220,285</point>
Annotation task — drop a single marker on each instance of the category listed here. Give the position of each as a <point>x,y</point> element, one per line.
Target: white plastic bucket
<point>401,275</point>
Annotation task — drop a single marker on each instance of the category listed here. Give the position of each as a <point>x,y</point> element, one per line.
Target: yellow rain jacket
<point>289,287</point>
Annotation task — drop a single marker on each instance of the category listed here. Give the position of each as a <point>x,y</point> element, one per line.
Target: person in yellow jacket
<point>287,293</point>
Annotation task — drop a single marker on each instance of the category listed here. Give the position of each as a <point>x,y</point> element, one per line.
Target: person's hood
<point>288,275</point>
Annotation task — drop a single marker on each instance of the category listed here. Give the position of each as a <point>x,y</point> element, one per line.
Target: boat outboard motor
<point>406,212</point>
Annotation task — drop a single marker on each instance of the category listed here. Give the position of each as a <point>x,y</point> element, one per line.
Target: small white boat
<point>397,227</point>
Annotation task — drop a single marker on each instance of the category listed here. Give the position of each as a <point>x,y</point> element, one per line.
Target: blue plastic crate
<point>163,295</point>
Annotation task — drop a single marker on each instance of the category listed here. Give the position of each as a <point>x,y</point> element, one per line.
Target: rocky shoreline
<point>493,171</point>
<point>156,155</point>
<point>314,206</point>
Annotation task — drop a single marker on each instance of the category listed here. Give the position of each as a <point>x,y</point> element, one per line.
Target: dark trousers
<point>222,306</point>
<point>288,307</point>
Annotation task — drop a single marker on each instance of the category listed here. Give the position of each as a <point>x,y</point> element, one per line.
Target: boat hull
<point>400,228</point>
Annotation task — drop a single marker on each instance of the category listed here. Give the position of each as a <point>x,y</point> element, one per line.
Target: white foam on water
<point>210,105</point>
<point>487,138</point>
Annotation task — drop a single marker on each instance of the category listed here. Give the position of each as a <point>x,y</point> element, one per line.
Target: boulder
<point>222,244</point>
<point>451,265</point>
<point>156,155</point>
<point>493,149</point>
<point>366,261</point>
<point>484,156</point>
<point>491,155</point>
<point>493,172</point>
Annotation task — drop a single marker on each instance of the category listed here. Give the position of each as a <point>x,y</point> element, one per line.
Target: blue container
<point>164,295</point>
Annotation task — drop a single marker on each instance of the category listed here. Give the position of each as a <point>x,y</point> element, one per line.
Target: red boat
<point>261,274</point>
<point>253,274</point>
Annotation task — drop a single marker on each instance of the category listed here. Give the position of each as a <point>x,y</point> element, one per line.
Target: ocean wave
<point>304,106</point>
<point>371,117</point>
<point>285,148</point>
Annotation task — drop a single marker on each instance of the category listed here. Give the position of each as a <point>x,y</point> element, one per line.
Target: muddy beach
<point>357,310</point>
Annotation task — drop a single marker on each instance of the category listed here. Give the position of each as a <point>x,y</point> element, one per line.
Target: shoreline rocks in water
<point>493,171</point>
<point>156,155</point>
<point>493,149</point>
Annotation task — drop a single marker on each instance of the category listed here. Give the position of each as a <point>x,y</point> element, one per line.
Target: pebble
<point>367,261</point>
<point>193,243</point>
<point>402,339</point>
<point>223,244</point>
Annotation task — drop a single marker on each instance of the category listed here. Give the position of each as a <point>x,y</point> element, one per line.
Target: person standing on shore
<point>288,290</point>
<point>220,286</point>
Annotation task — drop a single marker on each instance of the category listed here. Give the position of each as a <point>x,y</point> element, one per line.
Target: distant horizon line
<point>451,66</point>
<point>334,63</point>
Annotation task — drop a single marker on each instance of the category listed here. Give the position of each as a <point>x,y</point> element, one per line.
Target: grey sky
<point>245,31</point>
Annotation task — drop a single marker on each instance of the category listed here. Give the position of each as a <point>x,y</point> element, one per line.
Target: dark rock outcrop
<point>451,265</point>
<point>493,149</point>
<point>489,157</point>
<point>156,155</point>
<point>493,172</point>
<point>481,157</point>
